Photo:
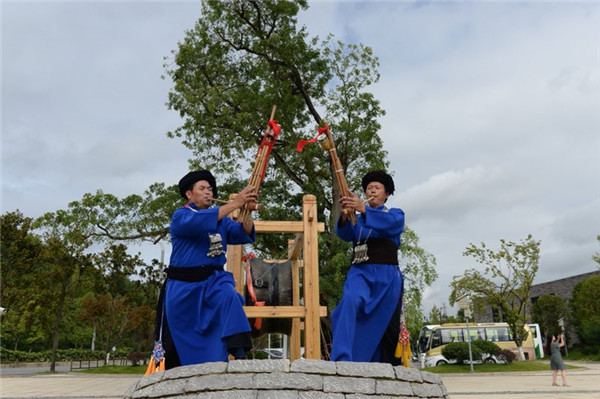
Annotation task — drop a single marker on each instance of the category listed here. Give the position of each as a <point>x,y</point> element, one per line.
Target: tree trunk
<point>56,328</point>
<point>521,353</point>
<point>93,347</point>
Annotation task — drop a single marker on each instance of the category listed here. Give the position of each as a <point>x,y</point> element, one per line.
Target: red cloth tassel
<point>268,140</point>
<point>250,286</point>
<point>302,143</point>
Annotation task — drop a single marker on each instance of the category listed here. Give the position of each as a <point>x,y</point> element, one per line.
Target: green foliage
<point>62,355</point>
<point>47,286</point>
<point>585,310</point>
<point>459,351</point>
<point>65,355</point>
<point>105,218</point>
<point>25,316</point>
<point>438,316</point>
<point>418,270</point>
<point>505,282</point>
<point>487,347</point>
<point>547,310</point>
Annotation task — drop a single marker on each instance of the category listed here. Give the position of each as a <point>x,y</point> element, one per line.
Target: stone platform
<point>280,379</point>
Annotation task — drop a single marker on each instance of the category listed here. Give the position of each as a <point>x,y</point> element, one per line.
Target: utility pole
<point>464,303</point>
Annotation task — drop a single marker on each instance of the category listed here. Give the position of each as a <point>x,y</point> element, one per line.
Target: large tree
<point>23,316</point>
<point>585,310</point>
<point>64,261</point>
<point>505,282</point>
<point>239,59</point>
<point>547,311</point>
<point>244,56</point>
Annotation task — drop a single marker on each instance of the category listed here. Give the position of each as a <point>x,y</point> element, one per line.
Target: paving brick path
<point>585,384</point>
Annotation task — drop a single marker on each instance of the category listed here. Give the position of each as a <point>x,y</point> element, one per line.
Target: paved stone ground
<point>585,384</point>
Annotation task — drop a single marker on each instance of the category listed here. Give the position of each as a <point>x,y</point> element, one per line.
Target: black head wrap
<point>187,182</point>
<point>381,177</point>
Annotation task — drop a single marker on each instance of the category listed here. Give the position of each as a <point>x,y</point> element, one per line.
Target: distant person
<point>200,316</point>
<point>366,322</point>
<point>555,342</point>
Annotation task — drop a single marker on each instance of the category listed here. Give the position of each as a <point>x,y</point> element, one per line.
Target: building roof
<point>562,287</point>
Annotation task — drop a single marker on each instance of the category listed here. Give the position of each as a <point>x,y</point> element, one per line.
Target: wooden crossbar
<point>281,312</point>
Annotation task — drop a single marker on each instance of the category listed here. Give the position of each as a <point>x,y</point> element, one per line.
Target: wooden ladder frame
<point>306,242</point>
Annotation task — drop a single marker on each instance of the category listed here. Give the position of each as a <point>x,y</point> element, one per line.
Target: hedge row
<point>62,355</point>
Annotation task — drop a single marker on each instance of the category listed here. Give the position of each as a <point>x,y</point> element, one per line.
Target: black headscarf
<point>187,182</point>
<point>381,177</point>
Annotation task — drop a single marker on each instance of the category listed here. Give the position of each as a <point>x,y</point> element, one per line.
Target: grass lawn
<point>493,368</point>
<point>114,370</point>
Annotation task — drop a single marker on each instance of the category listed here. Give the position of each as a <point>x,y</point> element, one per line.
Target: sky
<point>492,121</point>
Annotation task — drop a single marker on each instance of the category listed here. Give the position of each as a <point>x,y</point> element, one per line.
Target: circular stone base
<point>278,379</point>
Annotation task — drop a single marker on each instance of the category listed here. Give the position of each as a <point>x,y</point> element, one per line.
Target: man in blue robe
<point>200,316</point>
<point>366,322</point>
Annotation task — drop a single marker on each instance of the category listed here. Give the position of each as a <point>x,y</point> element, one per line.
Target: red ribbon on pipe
<point>268,140</point>
<point>302,143</point>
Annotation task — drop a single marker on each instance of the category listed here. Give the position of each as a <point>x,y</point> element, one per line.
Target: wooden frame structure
<point>306,242</point>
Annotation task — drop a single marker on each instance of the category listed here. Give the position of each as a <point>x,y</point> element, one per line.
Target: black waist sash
<point>191,274</point>
<point>381,251</point>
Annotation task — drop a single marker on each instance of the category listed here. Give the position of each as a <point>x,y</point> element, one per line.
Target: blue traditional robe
<point>371,291</point>
<point>201,314</point>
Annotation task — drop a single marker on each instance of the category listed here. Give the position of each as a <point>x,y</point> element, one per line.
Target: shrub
<point>459,351</point>
<point>487,347</point>
<point>62,355</point>
<point>507,356</point>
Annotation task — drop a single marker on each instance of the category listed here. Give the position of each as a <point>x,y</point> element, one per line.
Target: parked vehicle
<point>273,353</point>
<point>432,338</point>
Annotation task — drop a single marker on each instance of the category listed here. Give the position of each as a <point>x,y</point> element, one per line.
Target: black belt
<point>381,251</point>
<point>191,274</point>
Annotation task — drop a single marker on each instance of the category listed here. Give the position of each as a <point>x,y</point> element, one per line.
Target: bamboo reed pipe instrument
<point>368,200</point>
<point>255,206</point>
<point>326,142</point>
<point>260,163</point>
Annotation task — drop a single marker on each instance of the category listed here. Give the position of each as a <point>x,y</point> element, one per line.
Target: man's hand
<point>246,198</point>
<point>352,202</point>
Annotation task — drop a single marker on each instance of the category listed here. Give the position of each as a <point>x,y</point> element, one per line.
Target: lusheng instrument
<point>256,207</point>
<point>326,141</point>
<point>365,202</point>
<point>260,163</point>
